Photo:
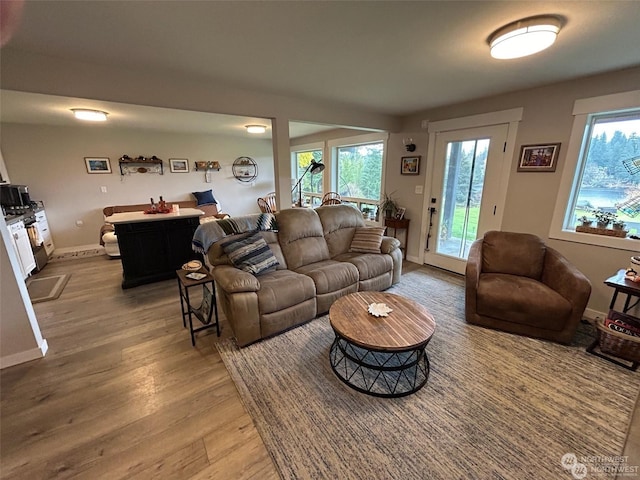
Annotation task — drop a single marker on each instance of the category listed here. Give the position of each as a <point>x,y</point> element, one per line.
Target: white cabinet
<point>22,246</point>
<point>43,229</point>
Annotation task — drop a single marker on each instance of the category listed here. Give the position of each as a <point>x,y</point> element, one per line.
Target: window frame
<point>583,111</point>
<point>334,145</point>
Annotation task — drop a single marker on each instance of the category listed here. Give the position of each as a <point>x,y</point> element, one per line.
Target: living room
<point>50,159</point>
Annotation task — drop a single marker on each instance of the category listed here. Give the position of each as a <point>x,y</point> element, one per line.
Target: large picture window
<point>602,173</point>
<point>359,168</point>
<point>608,178</point>
<point>311,185</point>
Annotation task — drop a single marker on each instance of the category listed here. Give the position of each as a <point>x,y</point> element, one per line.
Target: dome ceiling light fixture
<point>524,37</point>
<point>256,128</point>
<point>89,115</point>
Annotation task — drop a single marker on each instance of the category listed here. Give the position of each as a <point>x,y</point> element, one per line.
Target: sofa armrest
<point>107,227</point>
<point>389,244</point>
<point>563,277</point>
<point>472,278</point>
<point>234,280</point>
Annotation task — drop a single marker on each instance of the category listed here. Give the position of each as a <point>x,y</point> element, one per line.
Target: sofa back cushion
<point>513,253</point>
<point>301,237</point>
<point>339,223</point>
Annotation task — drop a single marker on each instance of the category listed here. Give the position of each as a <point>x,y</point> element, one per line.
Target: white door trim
<point>512,117</point>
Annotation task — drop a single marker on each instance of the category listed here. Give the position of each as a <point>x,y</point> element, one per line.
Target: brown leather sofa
<point>515,283</point>
<point>315,269</point>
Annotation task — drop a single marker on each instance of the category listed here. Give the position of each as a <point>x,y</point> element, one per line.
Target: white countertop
<point>133,217</point>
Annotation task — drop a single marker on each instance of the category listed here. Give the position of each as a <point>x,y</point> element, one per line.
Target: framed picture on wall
<point>410,165</point>
<point>539,158</point>
<point>179,165</point>
<point>97,164</point>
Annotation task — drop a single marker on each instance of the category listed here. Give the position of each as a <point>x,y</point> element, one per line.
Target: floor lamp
<point>316,167</point>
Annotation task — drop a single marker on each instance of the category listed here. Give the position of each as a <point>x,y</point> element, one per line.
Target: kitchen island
<point>154,246</point>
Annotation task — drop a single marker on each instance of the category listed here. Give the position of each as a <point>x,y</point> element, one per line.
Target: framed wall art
<point>539,158</point>
<point>179,165</point>
<point>97,164</point>
<point>410,165</point>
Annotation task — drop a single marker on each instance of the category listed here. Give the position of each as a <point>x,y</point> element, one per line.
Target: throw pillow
<point>250,253</point>
<point>367,239</point>
<point>204,198</point>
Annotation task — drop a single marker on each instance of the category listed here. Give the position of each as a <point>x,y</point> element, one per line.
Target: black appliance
<point>15,199</point>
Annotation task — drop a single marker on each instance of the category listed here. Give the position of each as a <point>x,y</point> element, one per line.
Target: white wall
<point>531,197</point>
<point>50,160</point>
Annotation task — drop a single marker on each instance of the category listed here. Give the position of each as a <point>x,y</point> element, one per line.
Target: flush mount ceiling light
<point>89,115</point>
<point>524,37</point>
<point>256,128</point>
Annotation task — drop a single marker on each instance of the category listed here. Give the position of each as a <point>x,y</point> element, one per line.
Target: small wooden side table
<point>620,284</point>
<point>632,289</point>
<point>208,309</point>
<point>402,224</point>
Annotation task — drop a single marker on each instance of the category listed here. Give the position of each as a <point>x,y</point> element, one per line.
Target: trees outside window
<point>608,173</point>
<point>359,172</point>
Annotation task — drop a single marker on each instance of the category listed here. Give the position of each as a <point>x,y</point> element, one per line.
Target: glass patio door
<point>467,170</point>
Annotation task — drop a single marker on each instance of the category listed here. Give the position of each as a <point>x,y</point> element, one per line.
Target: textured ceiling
<point>391,57</point>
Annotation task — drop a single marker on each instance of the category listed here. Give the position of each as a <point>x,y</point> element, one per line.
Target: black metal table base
<point>379,373</point>
<point>593,350</point>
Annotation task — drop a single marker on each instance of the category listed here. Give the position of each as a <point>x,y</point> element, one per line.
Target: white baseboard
<point>77,251</point>
<point>591,314</point>
<point>26,356</point>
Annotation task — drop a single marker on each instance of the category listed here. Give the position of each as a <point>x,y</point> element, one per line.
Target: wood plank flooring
<point>121,392</point>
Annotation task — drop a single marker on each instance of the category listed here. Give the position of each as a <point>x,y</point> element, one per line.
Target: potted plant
<point>619,225</point>
<point>388,205</point>
<point>366,212</point>
<point>585,221</point>
<point>603,219</point>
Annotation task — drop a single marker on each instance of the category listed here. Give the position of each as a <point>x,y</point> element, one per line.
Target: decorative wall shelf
<point>245,169</point>
<point>206,166</point>
<point>130,165</point>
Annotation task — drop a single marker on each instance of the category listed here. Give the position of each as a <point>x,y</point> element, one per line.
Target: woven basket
<point>616,343</point>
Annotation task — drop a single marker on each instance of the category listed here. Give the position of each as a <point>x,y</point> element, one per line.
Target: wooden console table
<point>153,247</point>
<point>399,225</point>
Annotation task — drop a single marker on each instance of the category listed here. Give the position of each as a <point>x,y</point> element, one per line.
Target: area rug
<point>496,406</point>
<point>47,288</point>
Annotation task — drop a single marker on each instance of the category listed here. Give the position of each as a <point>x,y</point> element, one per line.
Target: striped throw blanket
<point>209,233</point>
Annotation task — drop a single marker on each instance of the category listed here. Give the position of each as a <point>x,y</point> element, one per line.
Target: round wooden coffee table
<point>381,356</point>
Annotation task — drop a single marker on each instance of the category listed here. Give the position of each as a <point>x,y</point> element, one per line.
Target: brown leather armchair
<point>515,283</point>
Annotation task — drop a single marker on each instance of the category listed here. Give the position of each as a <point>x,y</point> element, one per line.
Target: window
<point>605,173</point>
<point>359,165</point>
<point>311,185</point>
<point>609,170</point>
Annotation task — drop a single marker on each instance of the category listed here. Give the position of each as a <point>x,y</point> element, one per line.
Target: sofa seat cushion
<point>330,275</point>
<point>369,265</point>
<point>283,289</point>
<point>521,300</point>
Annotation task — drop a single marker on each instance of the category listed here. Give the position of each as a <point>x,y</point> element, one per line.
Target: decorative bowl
<point>379,310</point>
<point>192,266</point>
